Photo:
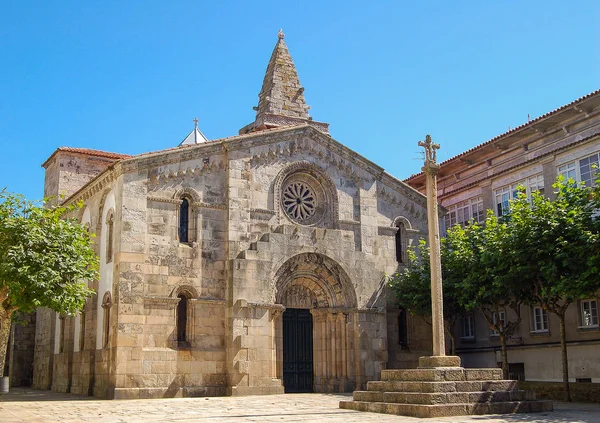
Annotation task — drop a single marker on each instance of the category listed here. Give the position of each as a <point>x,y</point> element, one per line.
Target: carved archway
<point>315,280</point>
<point>317,291</point>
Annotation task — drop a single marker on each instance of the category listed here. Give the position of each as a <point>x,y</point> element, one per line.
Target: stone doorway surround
<point>315,282</point>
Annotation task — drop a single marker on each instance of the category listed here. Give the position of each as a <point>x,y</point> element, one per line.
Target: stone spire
<point>281,92</point>
<point>281,99</point>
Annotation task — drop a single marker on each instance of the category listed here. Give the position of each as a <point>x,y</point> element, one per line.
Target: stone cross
<point>437,299</point>
<point>430,149</point>
<point>196,123</point>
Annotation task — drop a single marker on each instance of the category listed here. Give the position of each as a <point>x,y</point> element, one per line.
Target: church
<point>254,264</point>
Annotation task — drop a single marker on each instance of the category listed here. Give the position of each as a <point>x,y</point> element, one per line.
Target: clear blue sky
<point>129,76</point>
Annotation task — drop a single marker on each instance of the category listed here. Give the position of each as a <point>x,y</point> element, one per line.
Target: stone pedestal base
<point>436,391</point>
<point>434,361</point>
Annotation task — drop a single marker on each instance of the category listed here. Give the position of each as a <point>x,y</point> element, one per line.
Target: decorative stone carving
<point>298,296</point>
<point>299,201</point>
<point>305,195</point>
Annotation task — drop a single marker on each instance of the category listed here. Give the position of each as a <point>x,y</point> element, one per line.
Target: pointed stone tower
<point>281,99</point>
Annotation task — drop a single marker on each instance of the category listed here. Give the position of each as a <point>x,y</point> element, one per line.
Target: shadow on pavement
<point>29,394</point>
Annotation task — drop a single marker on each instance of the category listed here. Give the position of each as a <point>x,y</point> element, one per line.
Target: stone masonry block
<point>483,374</point>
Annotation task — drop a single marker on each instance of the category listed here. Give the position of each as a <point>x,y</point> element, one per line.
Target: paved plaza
<point>33,406</point>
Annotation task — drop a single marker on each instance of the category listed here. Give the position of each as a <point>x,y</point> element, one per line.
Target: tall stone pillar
<point>431,168</point>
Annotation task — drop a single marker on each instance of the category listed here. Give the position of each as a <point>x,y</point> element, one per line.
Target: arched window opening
<point>110,226</point>
<point>81,330</point>
<point>402,329</point>
<point>61,345</point>
<point>106,305</point>
<point>399,243</point>
<point>182,318</point>
<point>184,214</point>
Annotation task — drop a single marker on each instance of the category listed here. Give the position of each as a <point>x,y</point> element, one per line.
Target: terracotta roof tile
<point>89,152</point>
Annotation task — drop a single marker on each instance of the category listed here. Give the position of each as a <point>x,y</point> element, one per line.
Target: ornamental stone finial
<point>280,34</point>
<point>430,149</point>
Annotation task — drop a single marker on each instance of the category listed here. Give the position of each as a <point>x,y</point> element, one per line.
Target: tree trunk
<point>449,329</point>
<point>565,361</point>
<point>5,322</point>
<point>504,356</point>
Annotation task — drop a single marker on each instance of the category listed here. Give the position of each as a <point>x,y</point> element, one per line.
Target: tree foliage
<point>46,259</point>
<point>556,249</point>
<point>412,287</point>
<point>490,283</point>
<point>544,251</point>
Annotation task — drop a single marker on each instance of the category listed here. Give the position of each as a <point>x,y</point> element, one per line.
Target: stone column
<point>431,169</point>
<point>319,355</point>
<point>277,344</point>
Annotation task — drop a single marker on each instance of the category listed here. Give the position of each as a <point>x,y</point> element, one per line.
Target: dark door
<point>297,350</point>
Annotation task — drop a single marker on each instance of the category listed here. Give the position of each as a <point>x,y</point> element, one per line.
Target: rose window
<point>299,201</point>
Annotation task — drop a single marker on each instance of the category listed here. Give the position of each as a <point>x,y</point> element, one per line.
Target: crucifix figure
<point>430,149</point>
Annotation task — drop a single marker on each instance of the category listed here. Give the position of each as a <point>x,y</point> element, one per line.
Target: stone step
<point>443,410</point>
<point>248,254</point>
<point>448,374</point>
<point>443,397</point>
<point>258,251</point>
<point>460,386</point>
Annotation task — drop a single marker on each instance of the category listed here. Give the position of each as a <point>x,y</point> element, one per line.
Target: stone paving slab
<point>33,406</point>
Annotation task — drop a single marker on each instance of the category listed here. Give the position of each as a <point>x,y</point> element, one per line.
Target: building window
<point>106,305</point>
<point>589,313</point>
<point>516,371</point>
<point>582,170</point>
<point>467,327</point>
<point>540,320</point>
<point>182,320</point>
<point>184,220</point>
<point>498,318</point>
<point>402,329</point>
<point>568,171</point>
<point>110,228</point>
<point>462,213</point>
<point>399,243</point>
<point>510,192</point>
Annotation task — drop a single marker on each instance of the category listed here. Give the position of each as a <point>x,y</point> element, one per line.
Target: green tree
<point>412,288</point>
<point>489,284</point>
<point>46,258</point>
<point>556,249</point>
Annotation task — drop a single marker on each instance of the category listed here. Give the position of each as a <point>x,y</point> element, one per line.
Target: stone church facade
<point>253,264</point>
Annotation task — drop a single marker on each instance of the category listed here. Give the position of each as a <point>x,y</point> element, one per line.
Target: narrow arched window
<point>81,330</point>
<point>61,345</point>
<point>184,218</point>
<point>110,228</point>
<point>399,243</point>
<point>182,307</point>
<point>402,329</point>
<point>106,305</point>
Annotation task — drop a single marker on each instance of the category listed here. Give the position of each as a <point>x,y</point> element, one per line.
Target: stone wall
<point>22,351</point>
<point>580,392</point>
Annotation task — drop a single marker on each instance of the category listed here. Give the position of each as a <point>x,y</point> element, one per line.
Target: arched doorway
<point>315,346</point>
